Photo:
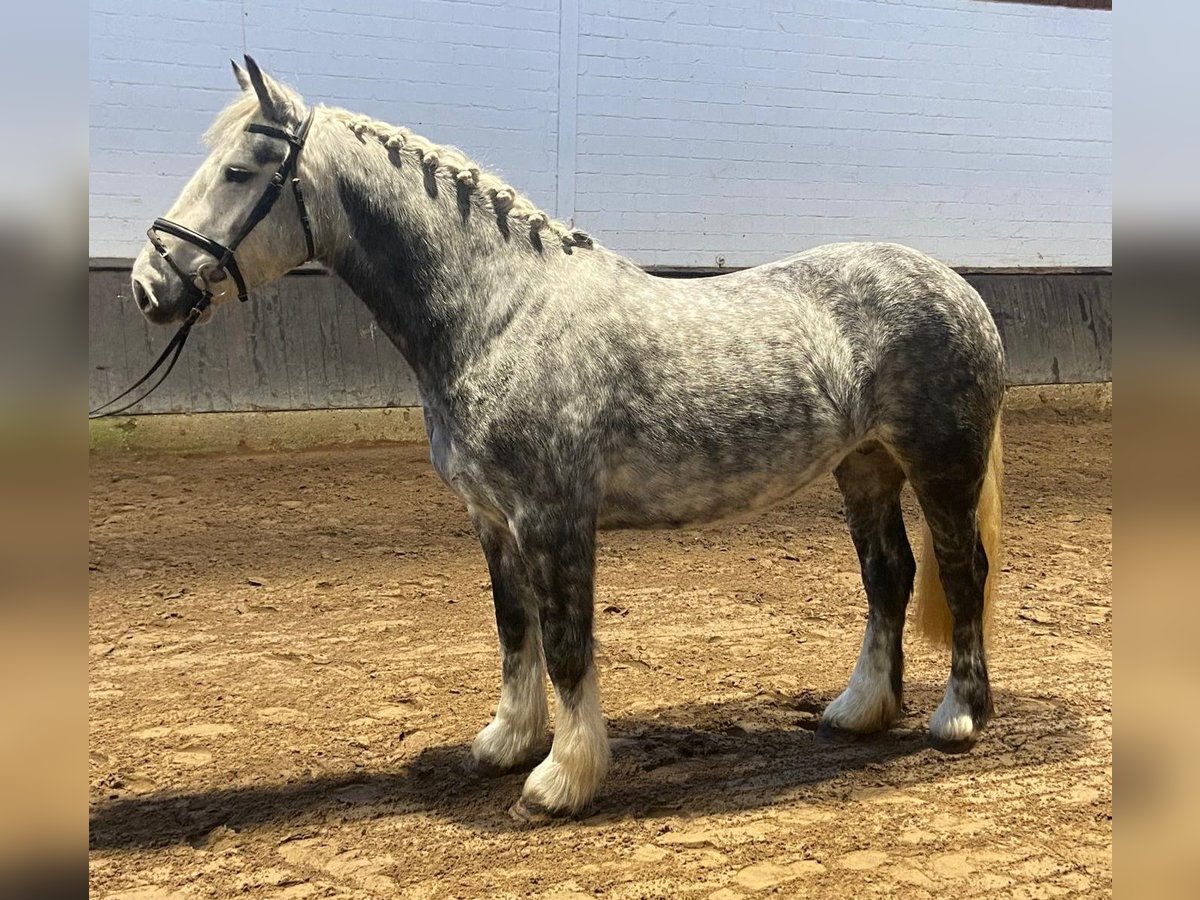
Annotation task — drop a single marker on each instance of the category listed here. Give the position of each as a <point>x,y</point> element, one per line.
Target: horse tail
<point>933,612</point>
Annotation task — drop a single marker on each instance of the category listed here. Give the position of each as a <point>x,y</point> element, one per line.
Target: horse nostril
<point>144,298</point>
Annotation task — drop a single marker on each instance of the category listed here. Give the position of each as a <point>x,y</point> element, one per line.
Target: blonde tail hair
<point>933,612</point>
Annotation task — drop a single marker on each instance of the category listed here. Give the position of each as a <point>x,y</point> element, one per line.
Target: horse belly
<point>637,496</point>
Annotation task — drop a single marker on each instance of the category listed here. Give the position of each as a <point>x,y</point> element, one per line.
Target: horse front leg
<point>518,728</point>
<point>559,549</point>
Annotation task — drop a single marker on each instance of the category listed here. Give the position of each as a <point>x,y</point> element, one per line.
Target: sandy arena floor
<point>290,654</point>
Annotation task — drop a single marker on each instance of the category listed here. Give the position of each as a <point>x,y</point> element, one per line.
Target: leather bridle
<point>197,282</point>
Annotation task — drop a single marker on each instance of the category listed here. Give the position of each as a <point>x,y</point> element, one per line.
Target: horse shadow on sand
<point>687,760</point>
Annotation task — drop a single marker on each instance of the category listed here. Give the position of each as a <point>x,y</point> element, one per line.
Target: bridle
<point>197,282</point>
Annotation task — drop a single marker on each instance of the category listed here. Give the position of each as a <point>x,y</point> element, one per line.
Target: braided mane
<point>401,143</point>
<point>488,187</point>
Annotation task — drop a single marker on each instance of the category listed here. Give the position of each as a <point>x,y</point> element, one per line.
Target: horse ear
<point>274,100</point>
<point>240,74</point>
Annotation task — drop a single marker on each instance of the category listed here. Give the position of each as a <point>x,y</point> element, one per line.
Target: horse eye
<point>236,173</point>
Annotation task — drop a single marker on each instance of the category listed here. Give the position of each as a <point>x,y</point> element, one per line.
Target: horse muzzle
<point>160,299</point>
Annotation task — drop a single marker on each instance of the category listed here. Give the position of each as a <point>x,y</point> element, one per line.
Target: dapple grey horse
<point>565,390</point>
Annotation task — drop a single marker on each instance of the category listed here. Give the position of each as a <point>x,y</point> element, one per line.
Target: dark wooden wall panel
<point>303,343</point>
<point>306,342</point>
<point>1056,328</point>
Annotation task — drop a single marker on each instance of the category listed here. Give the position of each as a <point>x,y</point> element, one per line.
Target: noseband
<point>197,284</point>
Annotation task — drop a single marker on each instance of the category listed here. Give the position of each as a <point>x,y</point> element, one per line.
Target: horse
<point>566,391</point>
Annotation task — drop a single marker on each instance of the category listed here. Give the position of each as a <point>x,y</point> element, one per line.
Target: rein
<point>197,282</point>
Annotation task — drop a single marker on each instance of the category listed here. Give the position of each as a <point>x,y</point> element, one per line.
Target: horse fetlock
<point>958,720</point>
<point>506,743</point>
<point>566,785</point>
<point>865,706</point>
<point>566,780</point>
<point>871,701</point>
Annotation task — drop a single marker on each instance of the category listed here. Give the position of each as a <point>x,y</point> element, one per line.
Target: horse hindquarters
<point>946,434</point>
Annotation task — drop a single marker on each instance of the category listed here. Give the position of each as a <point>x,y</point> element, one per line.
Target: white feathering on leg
<point>521,716</point>
<point>952,721</point>
<point>567,779</point>
<point>868,703</point>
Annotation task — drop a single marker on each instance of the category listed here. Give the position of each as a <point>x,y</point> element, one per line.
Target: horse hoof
<point>834,734</point>
<point>530,812</point>
<point>958,745</point>
<point>479,768</point>
<point>482,768</point>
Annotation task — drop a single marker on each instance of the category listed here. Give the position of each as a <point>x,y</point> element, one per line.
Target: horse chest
<point>441,445</point>
<point>459,470</point>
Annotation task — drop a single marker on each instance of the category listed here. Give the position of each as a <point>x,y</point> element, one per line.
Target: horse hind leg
<point>958,488</point>
<point>519,725</point>
<point>871,480</point>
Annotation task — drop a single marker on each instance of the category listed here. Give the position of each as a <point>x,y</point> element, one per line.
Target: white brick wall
<point>482,74</point>
<point>676,132</point>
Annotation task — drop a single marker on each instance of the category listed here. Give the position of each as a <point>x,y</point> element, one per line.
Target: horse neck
<point>440,287</point>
